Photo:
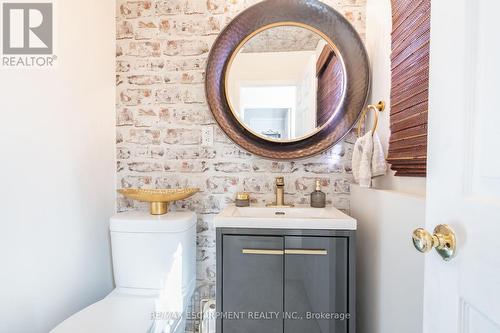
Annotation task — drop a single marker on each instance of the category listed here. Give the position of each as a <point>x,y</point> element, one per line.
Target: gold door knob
<point>443,240</point>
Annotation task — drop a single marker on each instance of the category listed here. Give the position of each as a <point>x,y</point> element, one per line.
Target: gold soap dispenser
<point>318,197</point>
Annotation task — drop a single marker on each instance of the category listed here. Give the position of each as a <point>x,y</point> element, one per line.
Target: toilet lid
<point>119,313</point>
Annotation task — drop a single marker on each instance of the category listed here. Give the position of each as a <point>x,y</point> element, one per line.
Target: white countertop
<point>299,217</point>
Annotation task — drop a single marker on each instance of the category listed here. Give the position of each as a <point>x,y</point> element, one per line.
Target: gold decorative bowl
<point>159,198</point>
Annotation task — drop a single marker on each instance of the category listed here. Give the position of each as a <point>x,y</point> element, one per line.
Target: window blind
<point>409,87</point>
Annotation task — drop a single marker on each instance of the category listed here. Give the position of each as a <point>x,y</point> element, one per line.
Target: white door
<point>463,295</point>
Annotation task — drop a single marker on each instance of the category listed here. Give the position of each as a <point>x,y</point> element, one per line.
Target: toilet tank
<point>154,252</point>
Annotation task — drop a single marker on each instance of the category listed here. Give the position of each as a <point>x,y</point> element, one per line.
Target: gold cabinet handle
<point>307,252</point>
<point>262,251</point>
<point>443,240</point>
<point>287,251</point>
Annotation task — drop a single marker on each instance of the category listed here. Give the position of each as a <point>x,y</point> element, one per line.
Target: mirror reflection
<point>285,83</point>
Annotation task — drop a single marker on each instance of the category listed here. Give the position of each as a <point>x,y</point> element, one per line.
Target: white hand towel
<point>368,159</point>
<point>362,160</point>
<point>379,166</point>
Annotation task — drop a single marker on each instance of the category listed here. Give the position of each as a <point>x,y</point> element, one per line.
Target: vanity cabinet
<point>252,282</point>
<point>285,281</point>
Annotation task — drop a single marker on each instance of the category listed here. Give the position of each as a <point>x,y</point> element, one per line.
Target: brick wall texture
<point>162,48</point>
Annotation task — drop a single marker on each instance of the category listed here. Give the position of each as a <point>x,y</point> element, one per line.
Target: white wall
<point>390,275</point>
<point>57,174</point>
<point>390,271</point>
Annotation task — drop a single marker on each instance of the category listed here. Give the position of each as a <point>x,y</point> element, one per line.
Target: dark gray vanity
<point>284,280</point>
<point>285,269</point>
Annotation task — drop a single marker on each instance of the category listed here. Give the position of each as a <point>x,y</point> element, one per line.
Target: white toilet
<point>154,260</point>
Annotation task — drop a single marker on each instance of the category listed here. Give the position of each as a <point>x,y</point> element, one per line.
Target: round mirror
<point>287,79</point>
<point>285,82</point>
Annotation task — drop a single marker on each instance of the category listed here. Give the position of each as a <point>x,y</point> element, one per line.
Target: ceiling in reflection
<point>282,39</point>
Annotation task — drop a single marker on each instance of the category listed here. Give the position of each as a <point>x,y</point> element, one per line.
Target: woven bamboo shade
<point>409,87</point>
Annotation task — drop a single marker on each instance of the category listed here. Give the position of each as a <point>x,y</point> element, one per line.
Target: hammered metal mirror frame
<point>318,17</point>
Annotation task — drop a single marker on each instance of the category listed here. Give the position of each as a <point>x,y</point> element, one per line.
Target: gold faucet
<point>280,194</point>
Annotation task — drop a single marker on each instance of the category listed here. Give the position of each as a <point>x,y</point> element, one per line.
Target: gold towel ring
<point>379,107</point>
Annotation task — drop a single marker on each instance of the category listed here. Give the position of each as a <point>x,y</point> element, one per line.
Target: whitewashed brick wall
<point>162,48</point>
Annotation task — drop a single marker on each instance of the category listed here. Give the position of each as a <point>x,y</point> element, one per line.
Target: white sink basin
<point>299,217</point>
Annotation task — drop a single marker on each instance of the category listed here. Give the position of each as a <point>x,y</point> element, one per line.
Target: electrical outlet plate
<point>207,136</point>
